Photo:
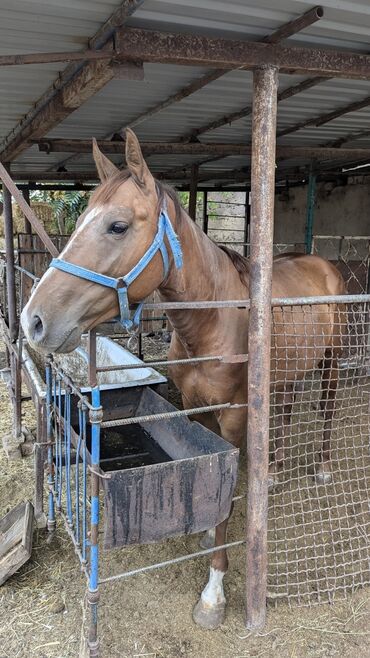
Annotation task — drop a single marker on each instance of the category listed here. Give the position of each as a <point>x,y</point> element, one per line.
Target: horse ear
<point>106,169</point>
<point>135,160</point>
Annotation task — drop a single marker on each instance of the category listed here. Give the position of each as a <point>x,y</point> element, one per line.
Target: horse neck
<point>207,274</point>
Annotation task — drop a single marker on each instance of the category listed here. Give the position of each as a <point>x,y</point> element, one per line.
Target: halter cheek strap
<point>121,284</point>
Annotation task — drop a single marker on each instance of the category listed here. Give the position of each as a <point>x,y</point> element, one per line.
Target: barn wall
<point>339,210</point>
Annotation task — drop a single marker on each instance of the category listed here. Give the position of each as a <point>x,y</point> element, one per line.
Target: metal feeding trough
<point>163,478</point>
<point>75,365</point>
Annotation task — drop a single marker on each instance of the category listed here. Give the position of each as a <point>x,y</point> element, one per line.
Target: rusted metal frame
<point>12,189</point>
<point>285,31</point>
<point>192,209</point>
<point>15,384</point>
<point>247,110</point>
<point>166,563</point>
<point>350,137</point>
<point>10,269</point>
<point>222,149</point>
<point>310,208</point>
<point>231,358</point>
<point>325,118</point>
<point>49,58</point>
<point>70,89</point>
<point>265,83</point>
<point>196,50</point>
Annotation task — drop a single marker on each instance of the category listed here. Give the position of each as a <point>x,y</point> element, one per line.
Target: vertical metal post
<point>49,435</point>
<point>27,224</point>
<point>95,417</point>
<point>247,223</point>
<point>311,196</point>
<point>265,82</point>
<point>193,191</point>
<point>205,212</point>
<point>10,271</point>
<point>92,358</point>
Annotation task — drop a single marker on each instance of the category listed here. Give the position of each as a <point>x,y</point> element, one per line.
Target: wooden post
<point>193,191</point>
<point>265,81</point>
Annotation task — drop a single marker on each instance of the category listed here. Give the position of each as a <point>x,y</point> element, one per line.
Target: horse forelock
<point>104,193</point>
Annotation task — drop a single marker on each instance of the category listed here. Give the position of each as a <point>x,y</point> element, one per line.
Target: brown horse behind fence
<point>112,235</point>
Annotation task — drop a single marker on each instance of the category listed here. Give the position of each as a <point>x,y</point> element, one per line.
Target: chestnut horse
<point>125,216</point>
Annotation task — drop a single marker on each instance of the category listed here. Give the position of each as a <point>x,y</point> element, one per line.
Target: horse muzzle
<point>46,335</point>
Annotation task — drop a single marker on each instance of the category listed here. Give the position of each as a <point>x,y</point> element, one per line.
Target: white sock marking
<point>213,593</point>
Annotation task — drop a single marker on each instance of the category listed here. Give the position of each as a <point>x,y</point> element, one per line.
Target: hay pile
<point>43,212</point>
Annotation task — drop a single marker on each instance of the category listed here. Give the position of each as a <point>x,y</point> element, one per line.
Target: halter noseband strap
<point>121,284</point>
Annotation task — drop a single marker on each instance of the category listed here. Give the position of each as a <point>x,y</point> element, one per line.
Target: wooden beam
<point>199,148</point>
<point>195,50</point>
<point>71,89</point>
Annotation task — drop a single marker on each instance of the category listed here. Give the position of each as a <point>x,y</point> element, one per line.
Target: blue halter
<point>121,284</point>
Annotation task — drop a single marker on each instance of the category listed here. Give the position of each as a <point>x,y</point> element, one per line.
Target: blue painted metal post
<point>95,417</point>
<point>311,197</point>
<point>49,437</point>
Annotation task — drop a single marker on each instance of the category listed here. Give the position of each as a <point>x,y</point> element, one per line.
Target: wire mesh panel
<point>319,518</point>
<point>350,254</point>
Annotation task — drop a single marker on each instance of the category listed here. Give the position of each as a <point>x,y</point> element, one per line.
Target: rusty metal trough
<point>163,478</point>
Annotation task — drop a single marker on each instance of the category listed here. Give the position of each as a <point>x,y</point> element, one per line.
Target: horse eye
<point>118,228</point>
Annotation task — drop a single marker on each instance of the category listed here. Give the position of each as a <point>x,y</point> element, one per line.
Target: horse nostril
<point>37,328</point>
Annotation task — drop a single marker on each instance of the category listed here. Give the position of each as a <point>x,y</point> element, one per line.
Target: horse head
<point>117,254</point>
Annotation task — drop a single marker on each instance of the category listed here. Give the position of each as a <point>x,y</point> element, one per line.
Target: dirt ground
<point>149,616</point>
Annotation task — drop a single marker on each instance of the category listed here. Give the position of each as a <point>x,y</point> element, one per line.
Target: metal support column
<point>205,212</point>
<point>311,197</point>
<point>10,270</point>
<point>247,223</point>
<point>193,191</point>
<point>265,83</point>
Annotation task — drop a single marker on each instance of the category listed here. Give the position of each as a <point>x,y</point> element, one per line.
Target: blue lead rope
<point>121,284</point>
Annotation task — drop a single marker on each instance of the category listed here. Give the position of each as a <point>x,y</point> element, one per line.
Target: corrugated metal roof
<point>31,25</point>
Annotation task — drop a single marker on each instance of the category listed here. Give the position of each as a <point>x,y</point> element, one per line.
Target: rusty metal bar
<point>48,58</point>
<point>265,82</point>
<point>192,211</point>
<point>199,148</point>
<point>10,270</point>
<point>18,196</point>
<point>197,50</point>
<point>247,110</point>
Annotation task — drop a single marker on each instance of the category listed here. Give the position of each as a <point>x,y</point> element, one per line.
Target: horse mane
<point>106,190</point>
<point>240,263</point>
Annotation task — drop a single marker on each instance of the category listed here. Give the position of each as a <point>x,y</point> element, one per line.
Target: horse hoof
<point>208,539</point>
<point>209,616</point>
<point>323,477</point>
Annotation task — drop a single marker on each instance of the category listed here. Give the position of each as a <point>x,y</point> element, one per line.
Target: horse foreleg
<point>209,612</point>
<point>284,401</point>
<point>330,376</point>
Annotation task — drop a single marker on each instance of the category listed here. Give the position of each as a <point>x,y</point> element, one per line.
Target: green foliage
<point>67,206</point>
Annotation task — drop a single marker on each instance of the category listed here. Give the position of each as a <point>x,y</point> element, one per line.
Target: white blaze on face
<point>89,216</point>
<point>213,593</point>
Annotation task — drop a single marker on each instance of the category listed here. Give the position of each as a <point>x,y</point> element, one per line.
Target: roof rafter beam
<point>199,148</point>
<point>72,88</point>
<point>283,32</point>
<point>195,50</point>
